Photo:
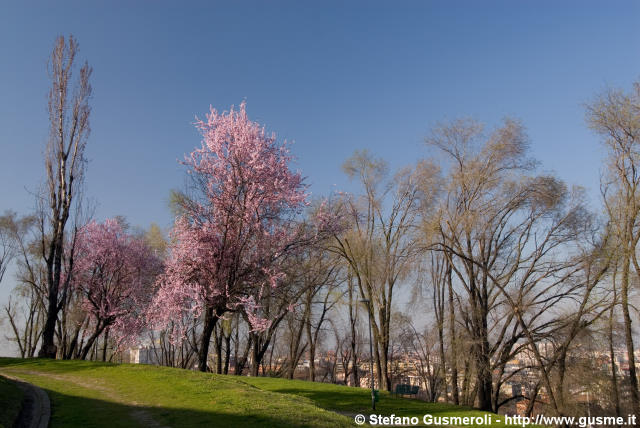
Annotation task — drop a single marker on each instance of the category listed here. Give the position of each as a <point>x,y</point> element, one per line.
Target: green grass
<point>358,400</point>
<point>11,399</point>
<point>89,394</point>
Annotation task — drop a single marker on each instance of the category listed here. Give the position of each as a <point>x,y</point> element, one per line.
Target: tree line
<point>502,262</point>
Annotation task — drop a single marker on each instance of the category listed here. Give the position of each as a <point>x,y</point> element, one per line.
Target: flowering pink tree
<point>114,274</point>
<point>235,229</point>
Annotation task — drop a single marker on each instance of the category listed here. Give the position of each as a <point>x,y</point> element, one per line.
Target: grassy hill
<point>89,394</point>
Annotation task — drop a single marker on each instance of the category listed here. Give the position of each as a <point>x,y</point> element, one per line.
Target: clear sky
<point>330,76</point>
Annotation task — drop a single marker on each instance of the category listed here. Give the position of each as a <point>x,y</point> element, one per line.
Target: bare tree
<point>615,116</point>
<point>322,293</point>
<point>615,390</point>
<point>354,331</point>
<point>509,235</point>
<point>64,161</point>
<point>7,247</point>
<point>380,247</point>
<point>425,356</point>
<point>25,308</point>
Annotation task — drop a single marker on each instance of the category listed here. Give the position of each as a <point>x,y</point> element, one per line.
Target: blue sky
<point>331,76</point>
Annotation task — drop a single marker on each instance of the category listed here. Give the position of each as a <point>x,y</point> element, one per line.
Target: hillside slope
<point>90,394</point>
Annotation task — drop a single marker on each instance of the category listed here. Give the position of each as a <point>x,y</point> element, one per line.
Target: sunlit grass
<point>89,394</point>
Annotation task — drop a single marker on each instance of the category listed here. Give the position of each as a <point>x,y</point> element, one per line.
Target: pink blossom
<point>114,273</point>
<point>239,227</point>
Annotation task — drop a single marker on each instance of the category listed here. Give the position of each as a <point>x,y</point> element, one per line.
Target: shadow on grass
<point>359,400</point>
<point>53,365</point>
<point>73,411</point>
<point>10,401</point>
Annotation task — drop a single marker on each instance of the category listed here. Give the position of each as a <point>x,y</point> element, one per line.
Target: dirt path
<point>36,408</point>
<point>141,415</point>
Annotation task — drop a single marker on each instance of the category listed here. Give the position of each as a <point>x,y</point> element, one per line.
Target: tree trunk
<point>628,335</point>
<point>312,353</point>
<point>294,346</point>
<point>210,320</point>
<point>74,343</point>
<point>612,356</point>
<point>227,352</point>
<point>260,347</point>
<point>484,382</point>
<point>376,352</point>
<point>218,333</point>
<point>48,348</point>
<point>533,396</point>
<point>104,347</point>
<point>438,303</point>
<point>466,380</point>
<point>453,342</point>
<point>255,356</point>
<point>91,341</point>
<point>241,362</point>
<point>354,354</point>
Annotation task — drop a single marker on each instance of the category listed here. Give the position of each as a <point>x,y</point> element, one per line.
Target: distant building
<point>143,355</point>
